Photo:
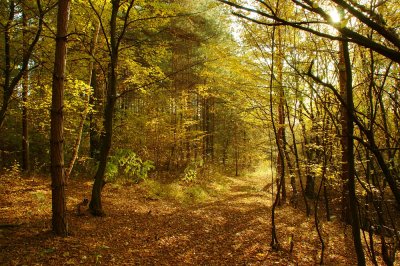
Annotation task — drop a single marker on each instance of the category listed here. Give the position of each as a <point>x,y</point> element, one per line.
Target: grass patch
<point>185,192</point>
<point>157,190</point>
<point>196,194</point>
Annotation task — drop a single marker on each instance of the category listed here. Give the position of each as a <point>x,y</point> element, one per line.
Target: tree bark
<point>349,153</point>
<point>345,215</point>
<point>11,81</point>
<point>59,209</point>
<point>106,136</point>
<point>95,205</point>
<point>95,101</point>
<point>7,90</point>
<point>281,116</point>
<point>78,139</point>
<point>25,88</point>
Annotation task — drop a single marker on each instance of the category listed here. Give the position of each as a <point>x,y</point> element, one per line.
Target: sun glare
<point>335,16</point>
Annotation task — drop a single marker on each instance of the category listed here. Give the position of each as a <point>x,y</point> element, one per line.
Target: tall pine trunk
<point>59,209</point>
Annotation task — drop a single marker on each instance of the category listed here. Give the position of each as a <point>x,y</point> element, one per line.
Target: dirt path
<point>232,229</point>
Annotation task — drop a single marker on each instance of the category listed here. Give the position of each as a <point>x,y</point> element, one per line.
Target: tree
<point>349,152</point>
<point>383,42</point>
<point>16,66</point>
<point>59,209</point>
<point>25,88</point>
<point>113,44</point>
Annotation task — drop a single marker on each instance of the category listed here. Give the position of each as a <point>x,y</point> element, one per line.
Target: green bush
<point>126,163</point>
<point>197,194</point>
<point>191,171</point>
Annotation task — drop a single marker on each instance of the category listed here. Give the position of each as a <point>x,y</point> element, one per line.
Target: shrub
<point>126,163</point>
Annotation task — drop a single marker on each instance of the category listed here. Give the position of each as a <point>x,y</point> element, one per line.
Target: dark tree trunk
<point>106,139</point>
<point>274,239</point>
<point>236,160</point>
<point>345,215</point>
<point>25,87</point>
<point>77,144</point>
<point>281,159</point>
<point>95,100</point>
<point>296,155</point>
<point>59,221</point>
<point>310,186</point>
<point>7,90</point>
<point>95,205</point>
<point>349,153</point>
<point>106,136</point>
<point>11,81</point>
<point>281,117</point>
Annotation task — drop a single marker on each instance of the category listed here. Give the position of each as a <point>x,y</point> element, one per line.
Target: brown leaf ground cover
<point>229,228</point>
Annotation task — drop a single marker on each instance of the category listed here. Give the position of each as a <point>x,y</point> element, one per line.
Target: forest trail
<point>229,229</point>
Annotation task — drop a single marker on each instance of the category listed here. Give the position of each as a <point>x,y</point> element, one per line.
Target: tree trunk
<point>25,87</point>
<point>274,240</point>
<point>59,209</point>
<point>297,160</point>
<point>310,186</point>
<point>281,116</point>
<point>11,81</point>
<point>7,90</point>
<point>105,139</point>
<point>106,136</point>
<point>78,139</point>
<point>349,153</point>
<point>345,215</point>
<point>95,100</point>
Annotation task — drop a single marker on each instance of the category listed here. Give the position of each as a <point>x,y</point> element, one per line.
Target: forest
<point>208,132</point>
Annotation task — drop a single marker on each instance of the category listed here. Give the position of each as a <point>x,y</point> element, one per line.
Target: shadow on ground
<point>233,229</point>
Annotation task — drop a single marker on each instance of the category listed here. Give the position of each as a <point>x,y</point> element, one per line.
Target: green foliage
<point>191,170</point>
<point>187,193</point>
<point>197,193</point>
<point>177,192</point>
<point>126,163</point>
<point>41,199</point>
<point>157,190</point>
<point>39,195</point>
<point>14,171</point>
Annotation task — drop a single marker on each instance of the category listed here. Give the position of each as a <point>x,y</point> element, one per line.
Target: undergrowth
<point>187,192</point>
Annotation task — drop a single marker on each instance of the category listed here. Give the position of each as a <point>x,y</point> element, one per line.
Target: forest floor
<point>231,227</point>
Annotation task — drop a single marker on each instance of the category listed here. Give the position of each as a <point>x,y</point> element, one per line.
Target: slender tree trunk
<point>78,139</point>
<point>25,87</point>
<point>297,160</point>
<point>95,100</point>
<point>106,137</point>
<point>281,116</point>
<point>274,241</point>
<point>11,81</point>
<point>349,153</point>
<point>236,145</point>
<point>316,219</point>
<point>345,215</point>
<point>7,90</point>
<point>236,160</point>
<point>59,209</point>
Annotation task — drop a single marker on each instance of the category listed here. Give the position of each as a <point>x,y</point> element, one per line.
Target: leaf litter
<point>232,228</point>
